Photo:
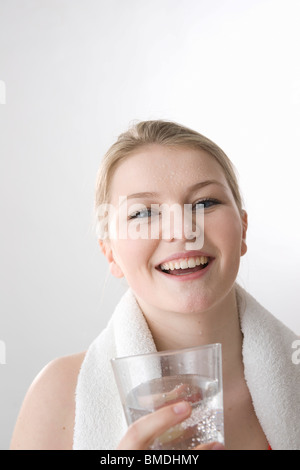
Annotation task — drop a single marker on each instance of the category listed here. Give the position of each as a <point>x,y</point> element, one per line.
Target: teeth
<point>184,263</point>
<point>191,263</point>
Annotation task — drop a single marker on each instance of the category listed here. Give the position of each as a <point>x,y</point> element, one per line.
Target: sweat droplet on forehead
<point>162,169</point>
<point>165,173</point>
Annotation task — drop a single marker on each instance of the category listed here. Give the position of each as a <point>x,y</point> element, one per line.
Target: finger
<point>145,430</point>
<point>161,399</point>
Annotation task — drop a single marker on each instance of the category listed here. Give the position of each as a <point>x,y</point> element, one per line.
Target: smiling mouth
<point>184,266</point>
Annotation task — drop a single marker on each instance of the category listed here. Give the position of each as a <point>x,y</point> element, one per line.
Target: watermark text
<point>296,354</point>
<point>2,92</point>
<point>2,352</point>
<point>157,221</point>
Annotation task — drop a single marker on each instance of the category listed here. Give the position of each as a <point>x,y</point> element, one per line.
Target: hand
<point>158,400</point>
<point>142,433</point>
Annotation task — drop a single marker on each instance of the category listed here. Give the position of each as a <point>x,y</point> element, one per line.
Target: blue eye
<point>141,214</point>
<point>207,203</point>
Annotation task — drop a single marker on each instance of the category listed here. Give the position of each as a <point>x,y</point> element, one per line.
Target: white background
<point>76,73</point>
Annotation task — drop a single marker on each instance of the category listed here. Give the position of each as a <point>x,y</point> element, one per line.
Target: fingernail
<point>181,407</point>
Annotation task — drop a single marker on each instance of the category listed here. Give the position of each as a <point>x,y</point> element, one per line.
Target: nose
<point>181,223</point>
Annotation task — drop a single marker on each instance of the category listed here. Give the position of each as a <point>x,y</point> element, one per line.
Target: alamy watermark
<point>2,92</point>
<point>2,352</point>
<point>296,354</point>
<point>158,221</point>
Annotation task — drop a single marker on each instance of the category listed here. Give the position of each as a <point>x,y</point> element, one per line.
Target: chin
<point>192,304</point>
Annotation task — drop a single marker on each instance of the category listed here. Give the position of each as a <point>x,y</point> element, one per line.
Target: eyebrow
<point>195,187</point>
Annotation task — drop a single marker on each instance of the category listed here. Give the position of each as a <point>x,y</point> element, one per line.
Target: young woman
<point>182,293</point>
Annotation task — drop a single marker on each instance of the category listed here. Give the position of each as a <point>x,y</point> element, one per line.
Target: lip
<point>188,277</point>
<point>185,254</point>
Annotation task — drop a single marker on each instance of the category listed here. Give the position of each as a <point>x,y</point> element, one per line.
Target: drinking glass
<point>146,382</point>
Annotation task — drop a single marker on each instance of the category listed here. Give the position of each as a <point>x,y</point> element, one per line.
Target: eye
<point>207,203</point>
<point>141,214</point>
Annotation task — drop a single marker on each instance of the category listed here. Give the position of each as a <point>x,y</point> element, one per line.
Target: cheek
<point>134,259</point>
<point>225,231</point>
<point>132,256</point>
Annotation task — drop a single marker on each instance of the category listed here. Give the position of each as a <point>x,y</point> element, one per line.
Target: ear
<point>106,249</point>
<point>244,233</point>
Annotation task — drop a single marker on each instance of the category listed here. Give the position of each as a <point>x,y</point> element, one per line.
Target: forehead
<point>161,168</point>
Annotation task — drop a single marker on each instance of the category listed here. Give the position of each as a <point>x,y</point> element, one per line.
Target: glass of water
<point>147,382</point>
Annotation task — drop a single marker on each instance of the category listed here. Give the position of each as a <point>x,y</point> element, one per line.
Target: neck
<point>220,324</point>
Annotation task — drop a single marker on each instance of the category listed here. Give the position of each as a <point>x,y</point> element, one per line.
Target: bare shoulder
<point>46,418</point>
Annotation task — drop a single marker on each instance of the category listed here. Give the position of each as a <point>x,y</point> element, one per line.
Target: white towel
<point>272,378</point>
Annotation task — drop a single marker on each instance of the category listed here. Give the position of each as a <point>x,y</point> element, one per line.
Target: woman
<point>182,293</point>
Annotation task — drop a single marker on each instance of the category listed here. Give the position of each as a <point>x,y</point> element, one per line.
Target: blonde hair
<point>163,133</point>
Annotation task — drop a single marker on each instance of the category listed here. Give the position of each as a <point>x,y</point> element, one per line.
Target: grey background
<point>75,73</point>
